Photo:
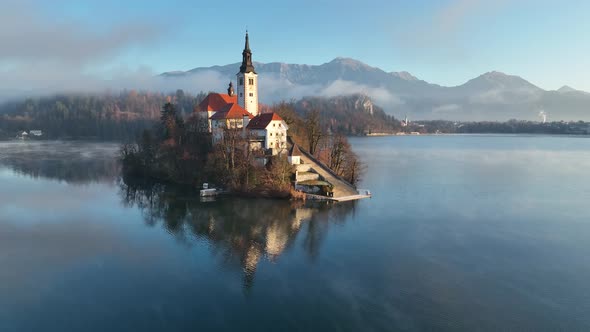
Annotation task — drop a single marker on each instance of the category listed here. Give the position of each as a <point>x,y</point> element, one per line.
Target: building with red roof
<point>270,131</point>
<point>214,101</point>
<point>266,131</point>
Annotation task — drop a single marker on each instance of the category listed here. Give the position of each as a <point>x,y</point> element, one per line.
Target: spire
<point>247,46</point>
<point>247,65</point>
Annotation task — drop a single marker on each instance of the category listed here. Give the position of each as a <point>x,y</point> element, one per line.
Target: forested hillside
<point>349,115</point>
<point>121,116</point>
<point>104,117</point>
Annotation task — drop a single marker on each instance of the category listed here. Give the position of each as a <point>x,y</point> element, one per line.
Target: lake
<point>462,233</point>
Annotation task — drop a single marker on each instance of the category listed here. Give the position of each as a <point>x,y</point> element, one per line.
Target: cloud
<point>43,80</point>
<point>51,80</point>
<point>28,36</point>
<point>506,96</point>
<point>380,95</point>
<point>43,55</point>
<point>274,89</point>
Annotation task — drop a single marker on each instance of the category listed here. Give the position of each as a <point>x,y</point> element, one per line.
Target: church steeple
<point>247,66</point>
<point>247,79</point>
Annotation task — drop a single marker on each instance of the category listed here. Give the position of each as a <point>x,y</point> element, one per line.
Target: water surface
<point>462,233</point>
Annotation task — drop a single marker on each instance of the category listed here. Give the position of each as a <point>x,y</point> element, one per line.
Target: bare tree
<point>338,149</point>
<point>354,168</point>
<point>314,130</point>
<point>281,171</point>
<point>233,154</point>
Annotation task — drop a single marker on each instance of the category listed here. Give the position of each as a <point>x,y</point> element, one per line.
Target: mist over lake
<point>462,233</point>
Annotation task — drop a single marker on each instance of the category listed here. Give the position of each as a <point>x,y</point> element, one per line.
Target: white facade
<point>294,160</point>
<point>276,136</point>
<point>273,137</point>
<point>219,125</point>
<point>248,92</point>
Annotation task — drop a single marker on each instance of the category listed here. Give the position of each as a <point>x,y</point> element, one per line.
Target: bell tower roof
<point>230,89</point>
<point>247,66</point>
<point>247,46</point>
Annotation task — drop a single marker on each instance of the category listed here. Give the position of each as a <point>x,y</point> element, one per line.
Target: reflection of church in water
<point>241,232</point>
<point>272,242</point>
<point>248,236</point>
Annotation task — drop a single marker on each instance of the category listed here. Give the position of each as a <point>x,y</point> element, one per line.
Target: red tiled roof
<point>231,111</point>
<point>295,151</point>
<point>261,121</point>
<point>215,101</point>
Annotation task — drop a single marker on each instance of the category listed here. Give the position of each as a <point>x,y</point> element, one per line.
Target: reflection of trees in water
<point>72,162</point>
<point>240,231</point>
<point>70,171</point>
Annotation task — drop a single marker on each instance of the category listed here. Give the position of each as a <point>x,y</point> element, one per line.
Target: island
<point>229,143</point>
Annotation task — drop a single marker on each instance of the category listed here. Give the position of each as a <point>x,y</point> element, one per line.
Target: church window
<point>251,81</point>
<point>270,134</point>
<point>240,94</point>
<point>251,94</point>
<point>241,81</point>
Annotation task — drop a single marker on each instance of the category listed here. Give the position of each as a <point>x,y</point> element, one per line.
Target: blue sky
<point>446,42</point>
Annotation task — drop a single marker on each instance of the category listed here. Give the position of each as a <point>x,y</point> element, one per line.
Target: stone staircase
<point>341,187</point>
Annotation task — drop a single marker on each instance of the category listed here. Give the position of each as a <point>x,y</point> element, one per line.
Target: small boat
<point>207,192</point>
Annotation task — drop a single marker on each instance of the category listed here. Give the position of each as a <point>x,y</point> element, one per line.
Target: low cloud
<point>448,108</point>
<point>274,89</point>
<point>40,81</point>
<point>380,95</point>
<point>506,96</point>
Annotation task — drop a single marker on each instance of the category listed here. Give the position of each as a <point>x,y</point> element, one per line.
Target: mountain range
<point>493,96</point>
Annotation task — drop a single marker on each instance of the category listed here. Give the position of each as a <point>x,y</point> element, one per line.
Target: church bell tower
<point>248,82</point>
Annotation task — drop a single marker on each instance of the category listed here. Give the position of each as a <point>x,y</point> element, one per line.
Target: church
<point>266,132</point>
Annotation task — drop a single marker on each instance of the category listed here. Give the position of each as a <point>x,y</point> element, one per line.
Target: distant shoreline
<point>475,134</point>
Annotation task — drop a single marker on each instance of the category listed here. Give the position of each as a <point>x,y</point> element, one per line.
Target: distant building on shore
<point>26,135</point>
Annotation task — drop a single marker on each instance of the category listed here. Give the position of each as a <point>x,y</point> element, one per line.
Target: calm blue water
<point>463,233</point>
